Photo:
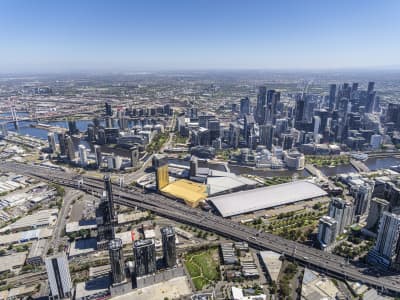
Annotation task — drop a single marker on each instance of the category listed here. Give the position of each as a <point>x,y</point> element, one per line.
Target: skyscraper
<point>271,106</point>
<point>342,212</point>
<point>134,156</point>
<point>327,231</point>
<point>376,209</point>
<point>244,106</point>
<point>62,143</point>
<point>108,109</point>
<point>52,142</point>
<point>72,129</point>
<point>259,113</point>
<point>362,196</point>
<point>116,261</point>
<point>59,277</point>
<point>317,125</point>
<point>99,157</point>
<point>70,148</point>
<point>145,257</point>
<point>110,199</point>
<point>332,96</point>
<point>105,224</point>
<point>169,246</point>
<point>83,155</point>
<point>386,249</point>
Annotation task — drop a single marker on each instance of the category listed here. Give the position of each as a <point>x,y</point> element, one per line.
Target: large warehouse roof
<point>262,198</point>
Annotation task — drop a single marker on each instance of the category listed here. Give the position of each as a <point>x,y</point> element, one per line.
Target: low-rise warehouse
<point>267,197</point>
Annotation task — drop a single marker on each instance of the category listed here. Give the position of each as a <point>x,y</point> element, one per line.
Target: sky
<point>129,35</point>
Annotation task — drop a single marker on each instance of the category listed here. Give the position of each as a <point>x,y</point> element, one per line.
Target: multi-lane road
<point>311,257</point>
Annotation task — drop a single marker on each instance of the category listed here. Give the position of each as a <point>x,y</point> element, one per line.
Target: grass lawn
<point>203,267</point>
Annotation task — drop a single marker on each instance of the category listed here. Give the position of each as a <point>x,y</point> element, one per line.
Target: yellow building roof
<point>190,192</point>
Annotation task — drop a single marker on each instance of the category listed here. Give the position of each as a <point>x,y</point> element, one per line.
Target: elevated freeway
<point>322,261</point>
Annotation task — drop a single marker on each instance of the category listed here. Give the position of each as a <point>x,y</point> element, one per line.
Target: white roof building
<point>267,197</point>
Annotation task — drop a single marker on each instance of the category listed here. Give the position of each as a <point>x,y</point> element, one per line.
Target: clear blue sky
<point>116,35</point>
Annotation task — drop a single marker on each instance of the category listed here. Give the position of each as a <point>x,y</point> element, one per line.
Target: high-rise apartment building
<point>116,261</point>
<point>376,209</point>
<point>169,246</point>
<point>342,212</point>
<point>386,249</point>
<point>145,257</point>
<point>327,231</point>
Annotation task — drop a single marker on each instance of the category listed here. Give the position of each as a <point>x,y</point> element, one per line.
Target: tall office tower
<point>116,261</point>
<point>362,196</point>
<point>327,231</point>
<point>83,155</point>
<point>194,166</point>
<point>370,105</point>
<point>145,257</point>
<point>354,87</point>
<point>105,224</point>
<point>259,113</point>
<point>99,157</point>
<point>317,126</point>
<point>376,209</point>
<point>300,108</point>
<point>271,106</point>
<point>52,141</point>
<point>4,129</point>
<point>70,149</point>
<point>134,156</point>
<point>214,129</point>
<point>91,133</point>
<point>234,135</point>
<point>249,124</point>
<point>108,109</point>
<point>342,212</point>
<point>160,164</point>
<point>122,121</point>
<point>109,122</point>
<point>168,110</point>
<point>72,129</point>
<point>102,139</point>
<point>59,277</point>
<point>287,141</point>
<point>169,246</point>
<point>110,199</point>
<point>193,113</point>
<point>332,97</point>
<point>62,143</point>
<point>386,249</point>
<point>244,106</point>
<point>371,86</point>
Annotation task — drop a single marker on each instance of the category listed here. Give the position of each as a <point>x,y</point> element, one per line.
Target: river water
<point>372,163</point>
<point>24,127</point>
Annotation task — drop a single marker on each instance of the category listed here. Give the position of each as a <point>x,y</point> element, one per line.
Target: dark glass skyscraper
<point>169,246</point>
<point>145,257</point>
<point>116,261</point>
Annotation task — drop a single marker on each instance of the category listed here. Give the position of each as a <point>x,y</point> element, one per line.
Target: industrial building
<point>192,193</point>
<point>267,197</point>
<point>37,252</point>
<point>272,263</point>
<point>59,277</point>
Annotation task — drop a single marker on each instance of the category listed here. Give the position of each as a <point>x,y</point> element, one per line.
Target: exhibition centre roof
<point>267,197</point>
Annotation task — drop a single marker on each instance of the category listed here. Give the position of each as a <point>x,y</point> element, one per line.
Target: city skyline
<point>130,36</point>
